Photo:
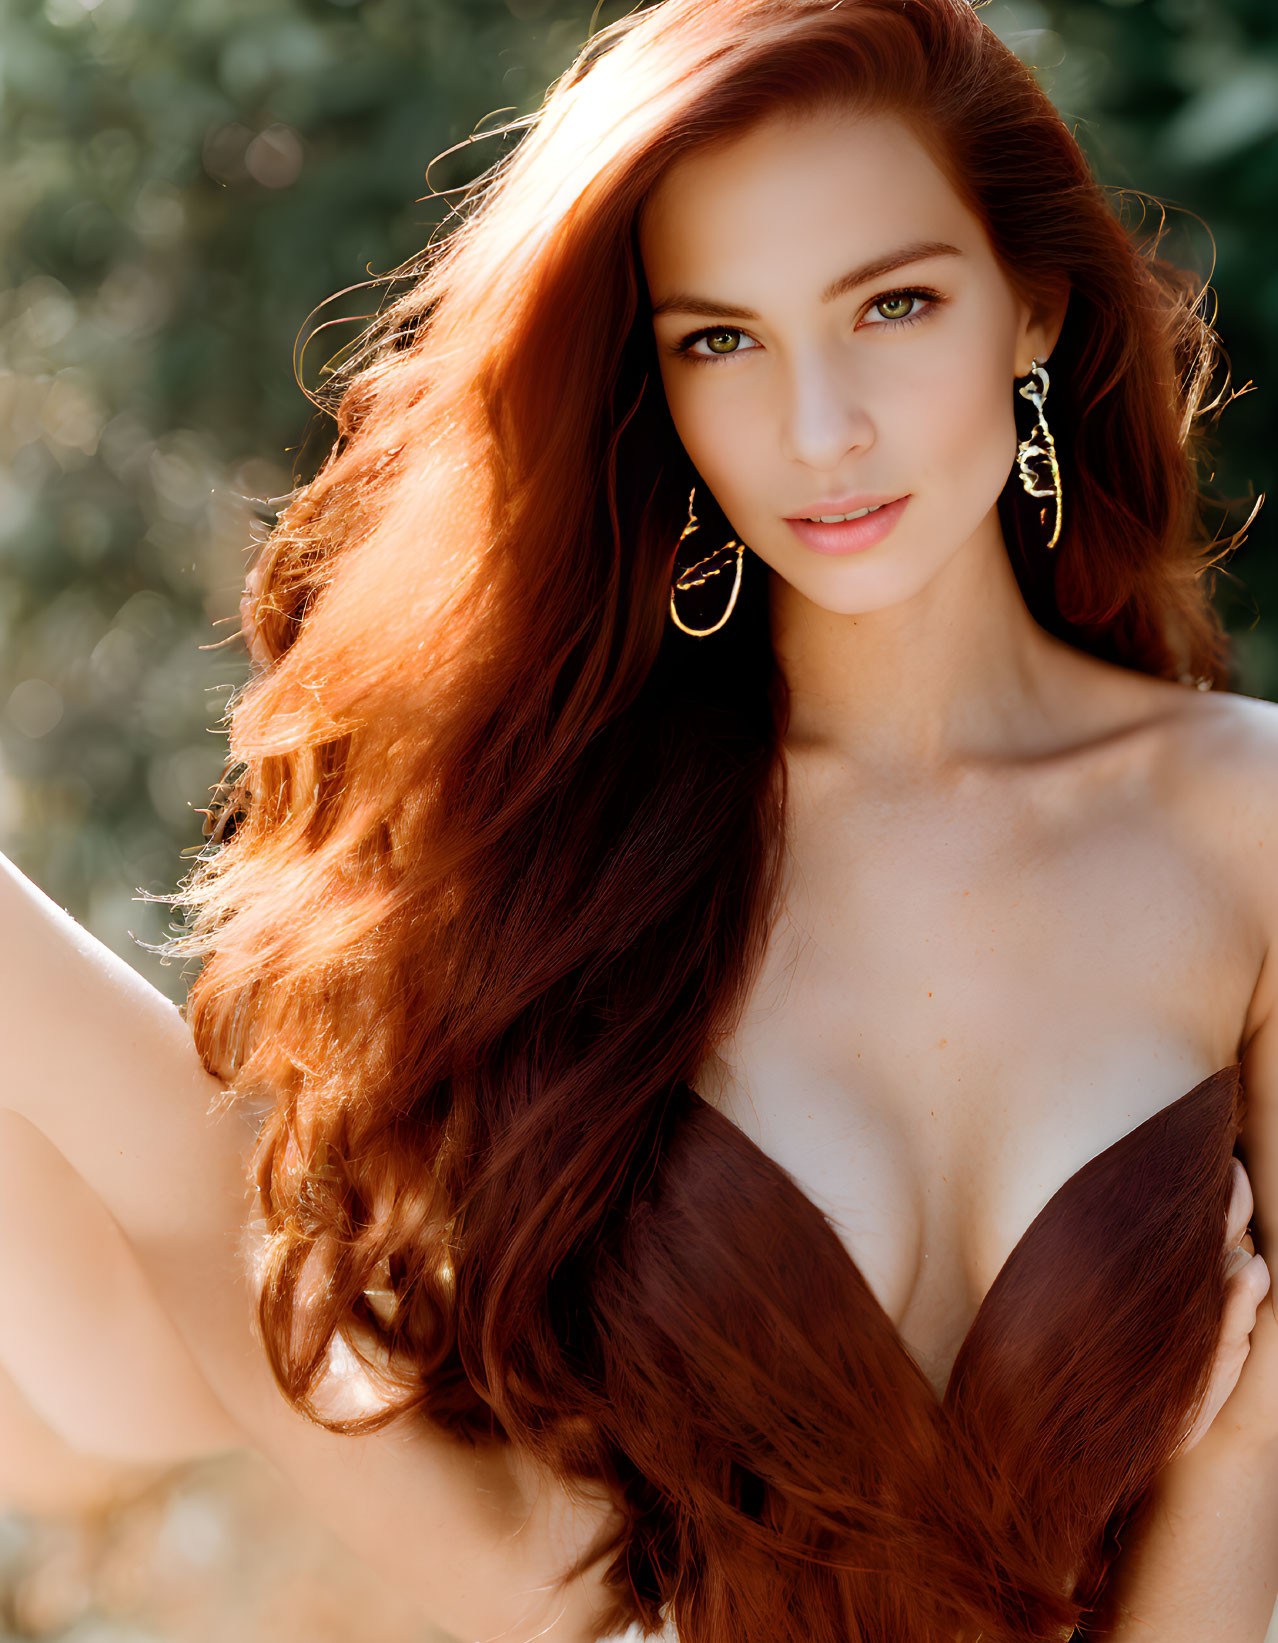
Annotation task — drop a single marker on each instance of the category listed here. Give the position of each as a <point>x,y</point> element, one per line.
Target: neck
<point>957,672</point>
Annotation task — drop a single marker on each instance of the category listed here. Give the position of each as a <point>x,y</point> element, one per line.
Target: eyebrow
<point>684,302</point>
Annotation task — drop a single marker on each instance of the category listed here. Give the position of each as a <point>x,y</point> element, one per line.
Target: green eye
<point>722,342</point>
<point>902,301</point>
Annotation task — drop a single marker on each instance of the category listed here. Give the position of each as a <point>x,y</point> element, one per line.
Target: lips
<point>852,535</point>
<point>847,504</point>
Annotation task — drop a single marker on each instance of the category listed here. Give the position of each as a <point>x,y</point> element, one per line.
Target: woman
<point>738,948</point>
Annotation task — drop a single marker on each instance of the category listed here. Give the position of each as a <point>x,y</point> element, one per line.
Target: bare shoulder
<point>1222,754</point>
<point>1240,731</point>
<point>1221,757</point>
<point>1230,751</point>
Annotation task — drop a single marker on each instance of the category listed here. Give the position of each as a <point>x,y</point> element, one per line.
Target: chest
<point>961,1003</point>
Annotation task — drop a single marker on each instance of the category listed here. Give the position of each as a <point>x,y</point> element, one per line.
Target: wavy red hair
<point>501,848</point>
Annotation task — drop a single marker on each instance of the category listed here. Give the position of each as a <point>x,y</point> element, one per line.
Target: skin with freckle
<point>918,655</point>
<point>917,676</point>
<point>730,1131</point>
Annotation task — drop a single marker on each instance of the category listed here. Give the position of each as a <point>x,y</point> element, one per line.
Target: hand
<point>1247,1284</point>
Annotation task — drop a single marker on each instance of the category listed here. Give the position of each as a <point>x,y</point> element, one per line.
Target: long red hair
<point>501,848</point>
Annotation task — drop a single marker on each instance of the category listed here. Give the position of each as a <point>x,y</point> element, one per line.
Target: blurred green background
<point>182,182</point>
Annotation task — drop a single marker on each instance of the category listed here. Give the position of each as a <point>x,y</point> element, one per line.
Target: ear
<point>1040,328</point>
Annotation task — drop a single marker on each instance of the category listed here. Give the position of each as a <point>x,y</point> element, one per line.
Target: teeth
<point>838,518</point>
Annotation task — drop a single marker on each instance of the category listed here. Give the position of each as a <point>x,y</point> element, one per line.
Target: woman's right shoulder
<point>103,1066</point>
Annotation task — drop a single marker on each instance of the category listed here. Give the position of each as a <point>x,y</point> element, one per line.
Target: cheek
<point>718,428</point>
<point>962,429</point>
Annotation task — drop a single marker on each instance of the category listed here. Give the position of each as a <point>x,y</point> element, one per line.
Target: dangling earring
<point>689,579</point>
<point>1039,443</point>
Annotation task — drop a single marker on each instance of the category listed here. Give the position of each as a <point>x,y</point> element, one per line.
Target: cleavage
<point>904,1231</point>
<point>910,1193</point>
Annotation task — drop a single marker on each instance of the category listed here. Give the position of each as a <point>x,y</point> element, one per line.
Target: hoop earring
<point>1039,443</point>
<point>689,579</point>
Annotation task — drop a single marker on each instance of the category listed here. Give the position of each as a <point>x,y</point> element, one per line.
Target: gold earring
<point>689,579</point>
<point>1039,443</point>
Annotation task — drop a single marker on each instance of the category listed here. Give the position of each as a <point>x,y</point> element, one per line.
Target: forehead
<point>795,199</point>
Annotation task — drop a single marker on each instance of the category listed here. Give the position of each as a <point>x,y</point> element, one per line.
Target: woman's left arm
<point>1201,1565</point>
<point>1202,1562</point>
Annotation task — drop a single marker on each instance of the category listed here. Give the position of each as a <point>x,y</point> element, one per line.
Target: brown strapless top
<point>1058,1385</point>
<point>1056,1275</point>
<point>997,1508</point>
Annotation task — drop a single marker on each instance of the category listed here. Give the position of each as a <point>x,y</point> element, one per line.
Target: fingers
<point>1247,1282</point>
<point>1247,1287</point>
<point>1241,1204</point>
<point>1255,1276</point>
<point>1244,1292</point>
<point>1241,1260</point>
<point>1247,1277</point>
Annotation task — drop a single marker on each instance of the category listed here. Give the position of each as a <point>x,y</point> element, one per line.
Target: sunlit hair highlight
<point>501,849</point>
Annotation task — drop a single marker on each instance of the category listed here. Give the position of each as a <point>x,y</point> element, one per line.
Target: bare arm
<point>103,1067</point>
<point>81,1334</point>
<point>1202,1565</point>
<point>1202,1558</point>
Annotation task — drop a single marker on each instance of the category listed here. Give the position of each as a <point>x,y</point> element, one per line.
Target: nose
<point>826,416</point>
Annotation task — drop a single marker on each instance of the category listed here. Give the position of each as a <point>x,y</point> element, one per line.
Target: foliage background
<point>182,182</point>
